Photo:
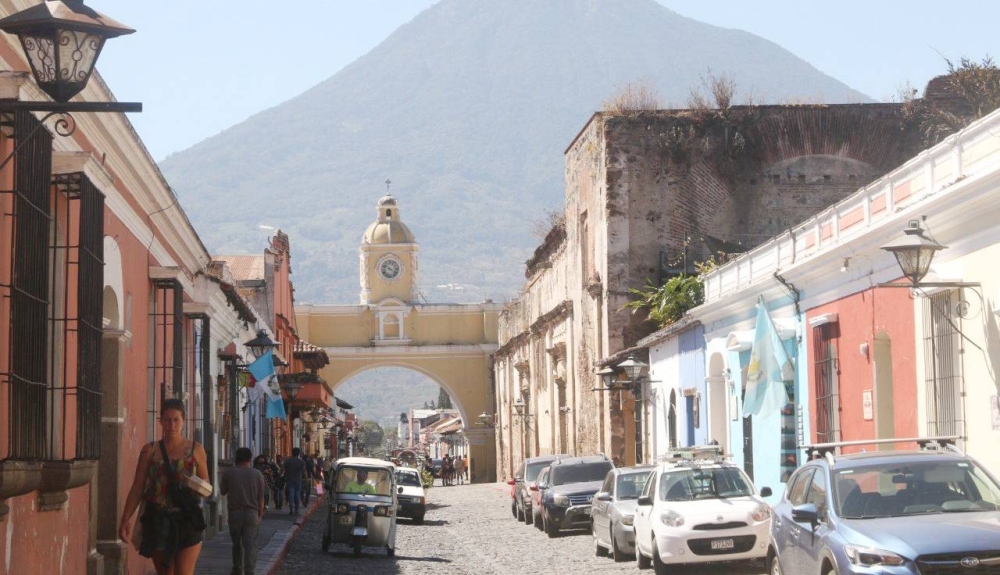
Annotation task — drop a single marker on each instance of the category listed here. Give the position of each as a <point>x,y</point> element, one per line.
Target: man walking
<point>244,488</point>
<point>307,484</point>
<point>294,470</point>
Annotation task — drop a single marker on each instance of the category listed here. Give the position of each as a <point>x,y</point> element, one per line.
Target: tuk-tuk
<point>361,504</point>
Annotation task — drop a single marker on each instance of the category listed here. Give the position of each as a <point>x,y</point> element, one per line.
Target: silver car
<point>613,509</point>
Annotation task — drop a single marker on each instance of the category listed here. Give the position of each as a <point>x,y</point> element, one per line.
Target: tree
<point>370,434</point>
<point>669,302</point>
<point>444,400</point>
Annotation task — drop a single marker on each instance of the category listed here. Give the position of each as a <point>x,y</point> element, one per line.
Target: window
<point>166,348</point>
<point>817,492</point>
<point>943,381</point>
<point>825,370</point>
<point>27,291</point>
<point>797,489</point>
<point>630,485</point>
<point>197,372</point>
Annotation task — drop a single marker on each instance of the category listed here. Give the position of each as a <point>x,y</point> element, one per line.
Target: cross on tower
<point>387,184</point>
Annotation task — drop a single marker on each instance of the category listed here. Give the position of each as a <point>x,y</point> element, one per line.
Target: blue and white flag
<point>267,378</point>
<point>769,368</point>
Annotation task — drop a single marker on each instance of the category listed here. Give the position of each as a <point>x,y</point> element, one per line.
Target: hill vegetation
<point>467,108</point>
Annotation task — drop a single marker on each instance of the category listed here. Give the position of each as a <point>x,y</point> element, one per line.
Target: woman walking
<point>171,527</point>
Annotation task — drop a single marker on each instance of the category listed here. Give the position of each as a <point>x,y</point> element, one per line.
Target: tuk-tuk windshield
<point>363,481</point>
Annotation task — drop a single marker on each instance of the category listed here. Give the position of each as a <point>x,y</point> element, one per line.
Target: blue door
<point>690,419</point>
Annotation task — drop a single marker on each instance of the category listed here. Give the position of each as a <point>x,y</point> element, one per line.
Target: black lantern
<point>62,40</point>
<point>633,368</point>
<point>914,252</point>
<point>292,388</point>
<point>259,345</point>
<point>608,376</point>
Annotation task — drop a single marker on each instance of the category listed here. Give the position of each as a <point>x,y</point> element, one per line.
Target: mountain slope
<point>467,108</point>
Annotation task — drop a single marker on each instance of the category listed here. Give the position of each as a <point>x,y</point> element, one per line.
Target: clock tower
<point>388,258</point>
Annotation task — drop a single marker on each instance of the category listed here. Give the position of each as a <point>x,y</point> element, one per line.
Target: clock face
<point>389,268</point>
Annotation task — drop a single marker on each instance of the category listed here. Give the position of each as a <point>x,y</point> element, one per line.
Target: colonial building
<point>647,194</point>
<point>451,344</point>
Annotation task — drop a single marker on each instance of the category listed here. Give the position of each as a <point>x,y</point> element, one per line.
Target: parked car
<point>613,509</point>
<point>538,490</point>
<point>700,509</point>
<point>916,512</point>
<point>524,476</point>
<point>566,493</point>
<point>434,466</point>
<point>412,499</point>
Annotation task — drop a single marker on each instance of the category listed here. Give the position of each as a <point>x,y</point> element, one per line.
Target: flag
<point>769,368</point>
<point>262,370</point>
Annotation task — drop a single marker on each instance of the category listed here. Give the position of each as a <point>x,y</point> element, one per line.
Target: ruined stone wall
<point>638,185</point>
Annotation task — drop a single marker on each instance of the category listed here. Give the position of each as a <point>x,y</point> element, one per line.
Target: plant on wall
<point>669,302</point>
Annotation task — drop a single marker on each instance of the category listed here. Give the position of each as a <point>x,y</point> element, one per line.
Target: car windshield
<point>408,479</point>
<point>532,469</point>
<point>710,483</point>
<point>630,485</point>
<point>579,472</point>
<point>363,481</point>
<point>895,490</point>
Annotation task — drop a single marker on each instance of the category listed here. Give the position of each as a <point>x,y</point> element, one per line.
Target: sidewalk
<point>276,532</point>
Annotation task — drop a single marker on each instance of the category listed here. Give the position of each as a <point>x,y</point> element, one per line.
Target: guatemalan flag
<point>263,371</point>
<point>769,368</point>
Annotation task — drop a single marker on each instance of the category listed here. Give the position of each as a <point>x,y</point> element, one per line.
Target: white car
<point>700,511</point>
<point>411,499</point>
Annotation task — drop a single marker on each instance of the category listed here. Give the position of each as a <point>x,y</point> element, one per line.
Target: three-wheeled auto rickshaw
<point>361,505</point>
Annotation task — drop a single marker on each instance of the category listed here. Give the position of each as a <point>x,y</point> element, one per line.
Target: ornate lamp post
<point>633,370</point>
<point>260,344</point>
<point>914,252</point>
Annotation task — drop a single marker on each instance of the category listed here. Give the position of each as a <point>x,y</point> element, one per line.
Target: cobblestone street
<point>468,529</point>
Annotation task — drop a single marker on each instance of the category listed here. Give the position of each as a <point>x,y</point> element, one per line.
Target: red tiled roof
<point>244,267</point>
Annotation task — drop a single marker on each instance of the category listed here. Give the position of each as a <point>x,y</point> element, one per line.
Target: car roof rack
<point>696,454</point>
<point>938,443</point>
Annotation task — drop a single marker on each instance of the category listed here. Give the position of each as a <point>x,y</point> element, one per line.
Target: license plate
<point>722,544</point>
<point>346,520</point>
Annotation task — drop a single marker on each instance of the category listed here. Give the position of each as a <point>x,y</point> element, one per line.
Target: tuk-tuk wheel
<point>326,543</point>
<point>357,550</point>
<point>390,551</point>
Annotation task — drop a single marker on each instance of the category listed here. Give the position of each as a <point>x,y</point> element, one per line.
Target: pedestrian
<point>279,481</point>
<point>260,464</point>
<point>307,481</point>
<point>244,488</point>
<point>465,466</point>
<point>460,469</point>
<point>171,535</point>
<point>294,469</point>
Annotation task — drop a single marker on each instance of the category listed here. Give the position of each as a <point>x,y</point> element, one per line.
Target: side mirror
<point>543,486</point>
<point>645,500</point>
<point>399,489</point>
<point>517,479</point>
<point>805,513</point>
<point>603,496</point>
<point>766,492</point>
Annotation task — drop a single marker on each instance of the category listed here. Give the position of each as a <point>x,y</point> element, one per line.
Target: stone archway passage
<point>450,344</point>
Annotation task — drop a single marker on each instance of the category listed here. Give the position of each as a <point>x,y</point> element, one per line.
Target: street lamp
<point>62,40</point>
<point>259,345</point>
<point>914,252</point>
<point>519,406</point>
<point>292,389</point>
<point>608,376</point>
<point>633,368</point>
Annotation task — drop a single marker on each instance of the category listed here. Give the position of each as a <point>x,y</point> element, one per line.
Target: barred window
<point>197,356</point>
<point>166,348</point>
<point>28,225</point>
<point>826,371</point>
<point>943,381</point>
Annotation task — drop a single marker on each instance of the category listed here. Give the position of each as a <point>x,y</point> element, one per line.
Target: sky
<point>201,66</point>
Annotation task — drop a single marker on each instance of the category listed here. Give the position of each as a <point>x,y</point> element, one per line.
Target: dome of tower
<point>387,228</point>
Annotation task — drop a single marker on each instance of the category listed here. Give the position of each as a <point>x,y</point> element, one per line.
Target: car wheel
<point>659,567</point>
<point>617,554</point>
<point>419,519</point>
<point>390,551</point>
<point>550,529</point>
<point>537,520</point>
<point>599,551</point>
<point>773,567</point>
<point>527,515</point>
<point>641,560</point>
<point>326,542</point>
<point>513,508</point>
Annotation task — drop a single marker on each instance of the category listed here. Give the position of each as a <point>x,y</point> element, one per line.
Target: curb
<point>272,569</point>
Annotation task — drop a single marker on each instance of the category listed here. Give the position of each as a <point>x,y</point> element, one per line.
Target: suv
<point>526,474</point>
<point>613,510</point>
<point>928,512</point>
<point>700,508</point>
<point>566,495</point>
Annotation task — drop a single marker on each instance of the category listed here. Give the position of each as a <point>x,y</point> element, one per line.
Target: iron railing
<point>943,380</point>
<point>28,369</point>
<point>827,385</point>
<point>166,347</point>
